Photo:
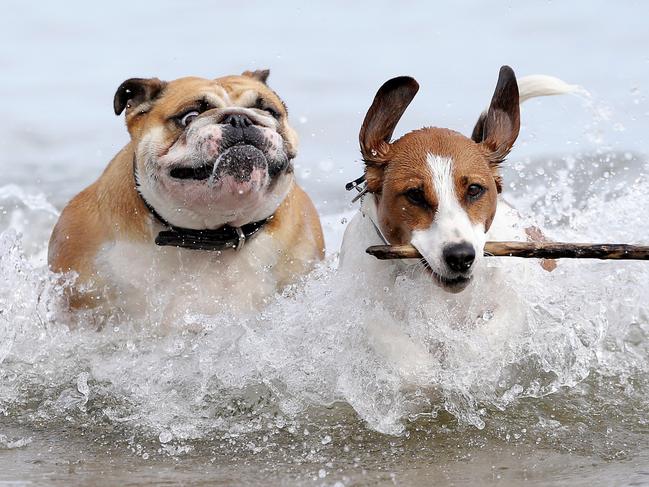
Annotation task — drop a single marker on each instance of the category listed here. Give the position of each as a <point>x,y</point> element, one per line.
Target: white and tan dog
<point>435,188</point>
<point>200,211</point>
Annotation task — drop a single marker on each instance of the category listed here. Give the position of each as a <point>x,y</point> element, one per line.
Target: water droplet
<point>82,383</point>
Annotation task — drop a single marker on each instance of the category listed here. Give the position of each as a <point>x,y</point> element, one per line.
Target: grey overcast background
<point>62,61</point>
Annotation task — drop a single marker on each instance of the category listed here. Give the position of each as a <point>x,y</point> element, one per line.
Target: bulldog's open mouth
<point>238,158</point>
<point>198,173</point>
<point>450,284</point>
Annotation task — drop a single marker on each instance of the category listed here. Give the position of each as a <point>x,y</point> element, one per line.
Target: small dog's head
<point>209,152</point>
<point>436,188</point>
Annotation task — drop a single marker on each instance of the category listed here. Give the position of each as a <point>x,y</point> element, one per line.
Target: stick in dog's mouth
<point>531,250</point>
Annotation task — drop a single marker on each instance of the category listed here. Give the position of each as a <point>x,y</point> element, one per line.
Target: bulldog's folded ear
<point>498,128</point>
<point>381,119</point>
<point>135,91</point>
<point>258,74</point>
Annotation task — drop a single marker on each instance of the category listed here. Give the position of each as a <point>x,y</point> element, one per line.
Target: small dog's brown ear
<point>478,130</point>
<point>135,91</point>
<point>258,74</point>
<point>388,106</point>
<point>497,129</point>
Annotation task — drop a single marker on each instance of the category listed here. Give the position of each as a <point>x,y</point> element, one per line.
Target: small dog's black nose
<point>237,120</point>
<point>459,257</point>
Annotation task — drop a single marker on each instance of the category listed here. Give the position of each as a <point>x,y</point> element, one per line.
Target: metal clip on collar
<point>242,238</point>
<point>356,184</point>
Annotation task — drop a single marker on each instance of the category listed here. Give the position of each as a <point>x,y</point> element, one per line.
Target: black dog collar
<point>226,237</point>
<point>223,238</point>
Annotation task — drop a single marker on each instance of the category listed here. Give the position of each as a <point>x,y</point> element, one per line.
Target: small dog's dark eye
<point>417,197</point>
<point>474,191</point>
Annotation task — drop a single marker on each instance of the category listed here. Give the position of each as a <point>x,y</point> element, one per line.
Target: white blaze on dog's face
<point>435,188</point>
<point>209,152</point>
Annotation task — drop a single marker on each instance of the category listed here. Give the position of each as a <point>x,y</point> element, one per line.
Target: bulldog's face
<point>209,152</point>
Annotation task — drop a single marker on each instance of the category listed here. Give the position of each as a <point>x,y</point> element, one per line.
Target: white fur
<point>542,85</point>
<point>411,357</point>
<point>161,284</point>
<point>184,217</point>
<point>360,234</point>
<point>451,224</point>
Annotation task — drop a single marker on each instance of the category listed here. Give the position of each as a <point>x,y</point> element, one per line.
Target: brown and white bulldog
<point>200,211</point>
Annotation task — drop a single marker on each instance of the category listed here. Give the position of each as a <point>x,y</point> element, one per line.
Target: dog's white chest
<point>167,283</point>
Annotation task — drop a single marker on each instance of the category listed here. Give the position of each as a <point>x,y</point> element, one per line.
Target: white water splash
<point>393,355</point>
<point>35,202</point>
<point>7,443</point>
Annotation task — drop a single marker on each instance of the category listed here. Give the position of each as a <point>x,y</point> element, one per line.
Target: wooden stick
<point>533,250</point>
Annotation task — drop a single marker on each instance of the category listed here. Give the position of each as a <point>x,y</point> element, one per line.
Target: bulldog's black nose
<point>459,257</point>
<point>237,120</point>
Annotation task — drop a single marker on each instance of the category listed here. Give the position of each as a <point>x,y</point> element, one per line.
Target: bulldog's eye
<point>274,113</point>
<point>188,118</point>
<point>417,197</point>
<point>475,191</point>
<point>262,105</point>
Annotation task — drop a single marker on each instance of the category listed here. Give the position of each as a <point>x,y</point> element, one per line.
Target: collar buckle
<point>360,185</point>
<point>242,239</point>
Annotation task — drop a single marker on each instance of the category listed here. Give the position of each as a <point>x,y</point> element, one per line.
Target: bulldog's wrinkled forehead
<point>229,91</point>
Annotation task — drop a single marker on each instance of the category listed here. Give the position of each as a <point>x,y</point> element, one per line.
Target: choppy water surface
<point>523,365</point>
<point>527,376</point>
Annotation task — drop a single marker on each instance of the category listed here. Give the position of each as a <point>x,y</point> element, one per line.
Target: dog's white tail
<point>542,85</point>
<point>529,87</point>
